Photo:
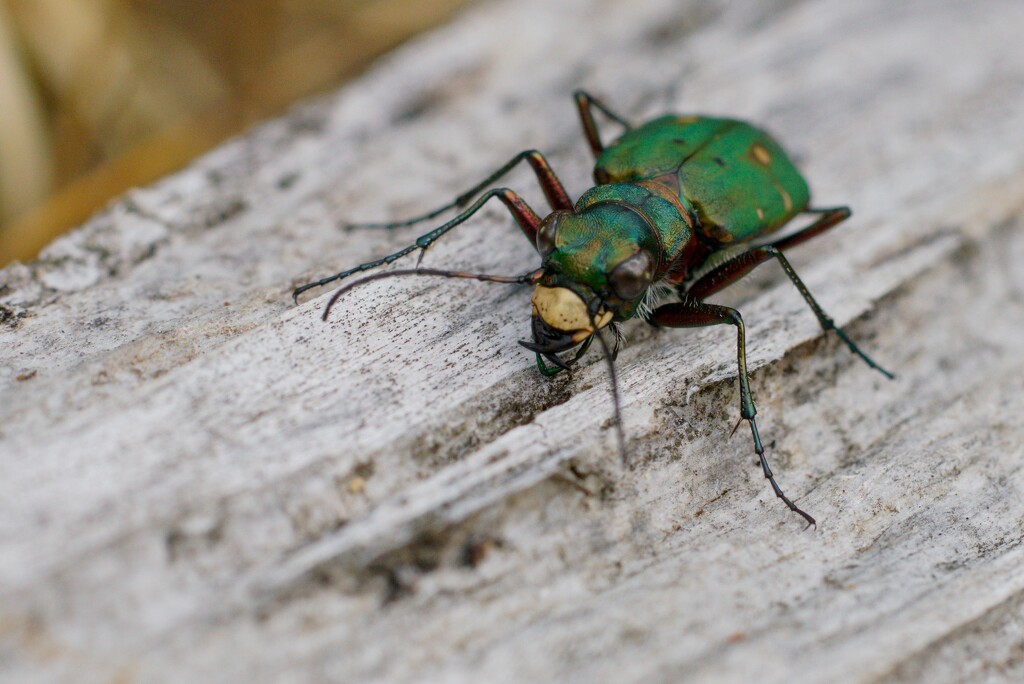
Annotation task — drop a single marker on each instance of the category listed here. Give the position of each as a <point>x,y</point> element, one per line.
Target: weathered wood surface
<point>200,481</point>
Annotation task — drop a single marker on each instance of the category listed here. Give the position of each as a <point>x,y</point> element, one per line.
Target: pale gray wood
<point>200,481</point>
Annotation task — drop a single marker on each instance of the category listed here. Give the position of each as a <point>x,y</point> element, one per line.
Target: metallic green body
<point>681,189</point>
<point>677,202</point>
<point>613,222</point>
<point>738,182</point>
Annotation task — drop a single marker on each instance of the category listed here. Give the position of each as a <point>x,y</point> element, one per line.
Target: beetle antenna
<point>607,353</point>
<point>530,277</point>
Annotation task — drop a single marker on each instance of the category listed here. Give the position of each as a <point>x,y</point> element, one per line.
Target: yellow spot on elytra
<point>760,214</point>
<point>787,201</point>
<point>761,154</point>
<point>687,119</point>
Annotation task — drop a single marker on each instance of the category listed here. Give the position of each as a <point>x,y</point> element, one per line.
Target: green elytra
<point>733,177</point>
<point>677,203</point>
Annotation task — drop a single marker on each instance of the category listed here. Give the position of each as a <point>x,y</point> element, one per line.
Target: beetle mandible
<point>678,202</point>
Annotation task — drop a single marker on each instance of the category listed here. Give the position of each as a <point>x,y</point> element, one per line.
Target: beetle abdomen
<point>739,182</point>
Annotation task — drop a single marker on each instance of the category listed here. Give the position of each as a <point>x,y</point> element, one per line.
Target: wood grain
<point>202,482</point>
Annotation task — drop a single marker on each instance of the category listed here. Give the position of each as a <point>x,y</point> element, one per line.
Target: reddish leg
<point>830,218</point>
<point>549,183</point>
<point>691,313</point>
<point>732,270</point>
<point>527,219</point>
<point>586,103</point>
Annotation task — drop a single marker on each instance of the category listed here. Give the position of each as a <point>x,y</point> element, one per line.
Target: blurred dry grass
<point>99,95</point>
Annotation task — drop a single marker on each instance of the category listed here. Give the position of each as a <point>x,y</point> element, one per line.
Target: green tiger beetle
<point>677,204</point>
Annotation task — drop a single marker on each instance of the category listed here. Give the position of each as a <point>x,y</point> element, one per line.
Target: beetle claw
<point>564,365</point>
<point>532,346</point>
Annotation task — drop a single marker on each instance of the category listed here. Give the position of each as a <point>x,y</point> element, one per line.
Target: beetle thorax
<point>593,241</point>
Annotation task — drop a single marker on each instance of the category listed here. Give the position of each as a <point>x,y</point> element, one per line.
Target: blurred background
<point>97,96</point>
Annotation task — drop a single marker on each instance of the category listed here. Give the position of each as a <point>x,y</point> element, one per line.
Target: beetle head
<point>595,271</point>
<point>563,317</point>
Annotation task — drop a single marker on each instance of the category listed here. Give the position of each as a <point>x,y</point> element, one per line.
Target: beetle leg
<point>549,183</point>
<point>732,270</point>
<point>585,102</point>
<point>527,219</point>
<point>691,313</point>
<point>830,218</point>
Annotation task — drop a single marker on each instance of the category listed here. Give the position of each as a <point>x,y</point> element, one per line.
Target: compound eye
<point>632,276</point>
<point>548,231</point>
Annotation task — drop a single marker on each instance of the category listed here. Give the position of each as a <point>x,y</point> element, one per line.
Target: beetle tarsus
<point>759,448</point>
<point>864,357</point>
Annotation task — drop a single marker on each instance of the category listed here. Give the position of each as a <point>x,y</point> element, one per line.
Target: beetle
<point>681,203</point>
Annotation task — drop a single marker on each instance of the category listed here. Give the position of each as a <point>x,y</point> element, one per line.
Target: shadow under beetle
<point>676,203</point>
